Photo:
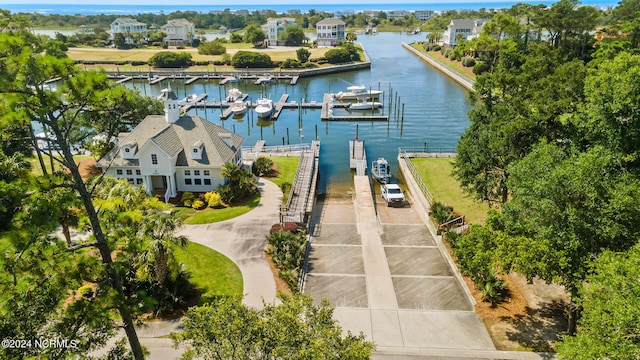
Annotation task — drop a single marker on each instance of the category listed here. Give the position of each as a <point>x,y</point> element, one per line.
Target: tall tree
<point>296,329</point>
<point>24,68</point>
<point>608,327</point>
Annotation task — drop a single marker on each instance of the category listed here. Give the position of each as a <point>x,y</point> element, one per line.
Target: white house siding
<point>214,177</point>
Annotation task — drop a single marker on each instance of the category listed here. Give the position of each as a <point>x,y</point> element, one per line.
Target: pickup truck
<point>392,194</point>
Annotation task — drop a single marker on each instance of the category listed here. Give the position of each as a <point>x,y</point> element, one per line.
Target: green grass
<point>436,174</point>
<point>37,170</point>
<point>287,166</point>
<point>213,273</point>
<point>182,212</point>
<point>209,216</point>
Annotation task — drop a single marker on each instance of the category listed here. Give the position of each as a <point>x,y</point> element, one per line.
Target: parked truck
<point>392,194</point>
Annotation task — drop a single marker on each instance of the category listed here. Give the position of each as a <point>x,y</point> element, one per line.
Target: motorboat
<point>365,105</point>
<point>239,108</point>
<point>358,92</point>
<point>234,94</point>
<point>188,100</point>
<point>381,171</point>
<point>264,107</point>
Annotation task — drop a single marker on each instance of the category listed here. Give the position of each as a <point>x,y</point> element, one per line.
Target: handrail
<point>425,191</point>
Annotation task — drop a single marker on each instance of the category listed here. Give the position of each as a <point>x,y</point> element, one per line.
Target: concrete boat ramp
<point>384,272</point>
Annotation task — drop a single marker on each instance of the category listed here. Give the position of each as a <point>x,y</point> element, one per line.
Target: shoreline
<point>454,75</point>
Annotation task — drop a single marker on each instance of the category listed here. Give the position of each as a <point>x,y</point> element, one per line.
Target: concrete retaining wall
<point>460,79</point>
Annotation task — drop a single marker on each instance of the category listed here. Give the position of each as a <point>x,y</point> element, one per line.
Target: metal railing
<point>440,151</point>
<point>286,215</point>
<point>425,191</point>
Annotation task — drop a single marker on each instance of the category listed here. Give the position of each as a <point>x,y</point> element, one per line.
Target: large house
<point>275,27</point>
<point>423,15</point>
<point>330,31</point>
<point>128,27</point>
<point>467,28</point>
<point>179,32</point>
<point>173,153</point>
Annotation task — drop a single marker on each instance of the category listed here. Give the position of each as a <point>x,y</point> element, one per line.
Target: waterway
<point>435,109</point>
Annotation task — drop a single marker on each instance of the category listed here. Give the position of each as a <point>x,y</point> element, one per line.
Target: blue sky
<point>235,3</point>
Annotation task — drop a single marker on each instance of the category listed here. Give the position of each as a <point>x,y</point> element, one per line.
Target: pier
<point>357,157</point>
<point>193,103</point>
<point>277,108</point>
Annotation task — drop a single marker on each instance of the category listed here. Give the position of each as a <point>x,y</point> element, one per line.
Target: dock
<point>195,102</point>
<point>357,157</point>
<point>157,79</point>
<point>225,115</point>
<point>191,80</point>
<point>327,112</point>
<point>124,80</point>
<point>277,108</point>
<point>294,80</point>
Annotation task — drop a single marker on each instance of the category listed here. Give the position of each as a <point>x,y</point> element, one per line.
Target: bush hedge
<point>468,61</point>
<point>251,59</point>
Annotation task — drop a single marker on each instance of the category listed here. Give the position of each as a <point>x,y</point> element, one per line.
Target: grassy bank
<point>436,174</point>
<point>287,167</point>
<point>213,273</point>
<point>451,64</point>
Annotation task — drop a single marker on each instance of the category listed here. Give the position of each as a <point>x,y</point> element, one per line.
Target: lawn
<point>213,273</point>
<point>436,174</point>
<point>209,216</point>
<point>37,170</point>
<point>287,167</point>
<point>451,64</point>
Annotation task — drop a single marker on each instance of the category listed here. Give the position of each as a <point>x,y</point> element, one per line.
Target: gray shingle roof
<point>173,139</point>
<point>330,21</point>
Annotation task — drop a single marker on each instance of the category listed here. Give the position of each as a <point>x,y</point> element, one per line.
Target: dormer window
<point>196,150</point>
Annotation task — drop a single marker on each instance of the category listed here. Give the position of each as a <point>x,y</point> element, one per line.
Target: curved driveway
<point>243,240</point>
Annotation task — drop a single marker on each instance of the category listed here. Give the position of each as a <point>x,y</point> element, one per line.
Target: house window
<point>129,172</point>
<point>207,173</point>
<point>187,181</point>
<point>127,150</point>
<point>130,181</point>
<point>138,172</point>
<point>138,181</point>
<point>119,172</point>
<point>196,172</point>
<point>154,159</point>
<point>198,181</point>
<point>187,172</point>
<point>207,181</point>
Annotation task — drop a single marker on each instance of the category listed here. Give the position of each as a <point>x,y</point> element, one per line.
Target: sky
<point>235,3</point>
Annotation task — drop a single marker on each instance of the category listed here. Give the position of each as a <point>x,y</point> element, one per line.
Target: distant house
<point>330,31</point>
<point>468,28</point>
<point>397,14</point>
<point>128,27</point>
<point>275,27</point>
<point>179,32</point>
<point>423,15</point>
<point>172,153</point>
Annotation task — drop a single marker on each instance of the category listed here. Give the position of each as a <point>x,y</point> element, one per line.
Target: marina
<point>422,109</point>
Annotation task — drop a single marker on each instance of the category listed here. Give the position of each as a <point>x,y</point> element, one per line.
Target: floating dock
<point>357,157</point>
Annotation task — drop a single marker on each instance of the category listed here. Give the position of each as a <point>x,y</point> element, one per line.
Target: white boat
<point>238,108</point>
<point>188,100</point>
<point>365,105</point>
<point>234,94</point>
<point>356,92</point>
<point>265,79</point>
<point>264,107</point>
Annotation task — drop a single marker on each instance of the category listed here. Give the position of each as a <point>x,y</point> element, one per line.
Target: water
<point>435,109</point>
<point>129,9</point>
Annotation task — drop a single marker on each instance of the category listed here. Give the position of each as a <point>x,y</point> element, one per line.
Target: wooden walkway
<point>302,195</point>
<point>191,80</point>
<point>357,157</point>
<point>277,108</point>
<point>195,102</point>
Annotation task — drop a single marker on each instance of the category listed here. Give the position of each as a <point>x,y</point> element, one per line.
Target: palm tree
<point>157,262</point>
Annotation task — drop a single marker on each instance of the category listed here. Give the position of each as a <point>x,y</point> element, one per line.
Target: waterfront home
<point>179,32</point>
<point>128,27</point>
<point>170,153</point>
<point>423,15</point>
<point>468,28</point>
<point>330,31</point>
<point>275,27</point>
<point>397,14</point>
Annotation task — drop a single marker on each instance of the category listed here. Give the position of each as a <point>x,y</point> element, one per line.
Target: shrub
<point>211,48</point>
<point>198,204</point>
<point>441,212</point>
<point>187,198</point>
<point>213,200</point>
<point>170,59</point>
<point>290,64</point>
<point>262,166</point>
<point>251,59</point>
<point>303,55</point>
<point>336,56</point>
<point>480,68</point>
<point>285,187</point>
<point>86,291</point>
<point>468,61</point>
<point>287,251</point>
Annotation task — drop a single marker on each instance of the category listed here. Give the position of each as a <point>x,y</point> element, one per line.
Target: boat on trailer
<point>381,171</point>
